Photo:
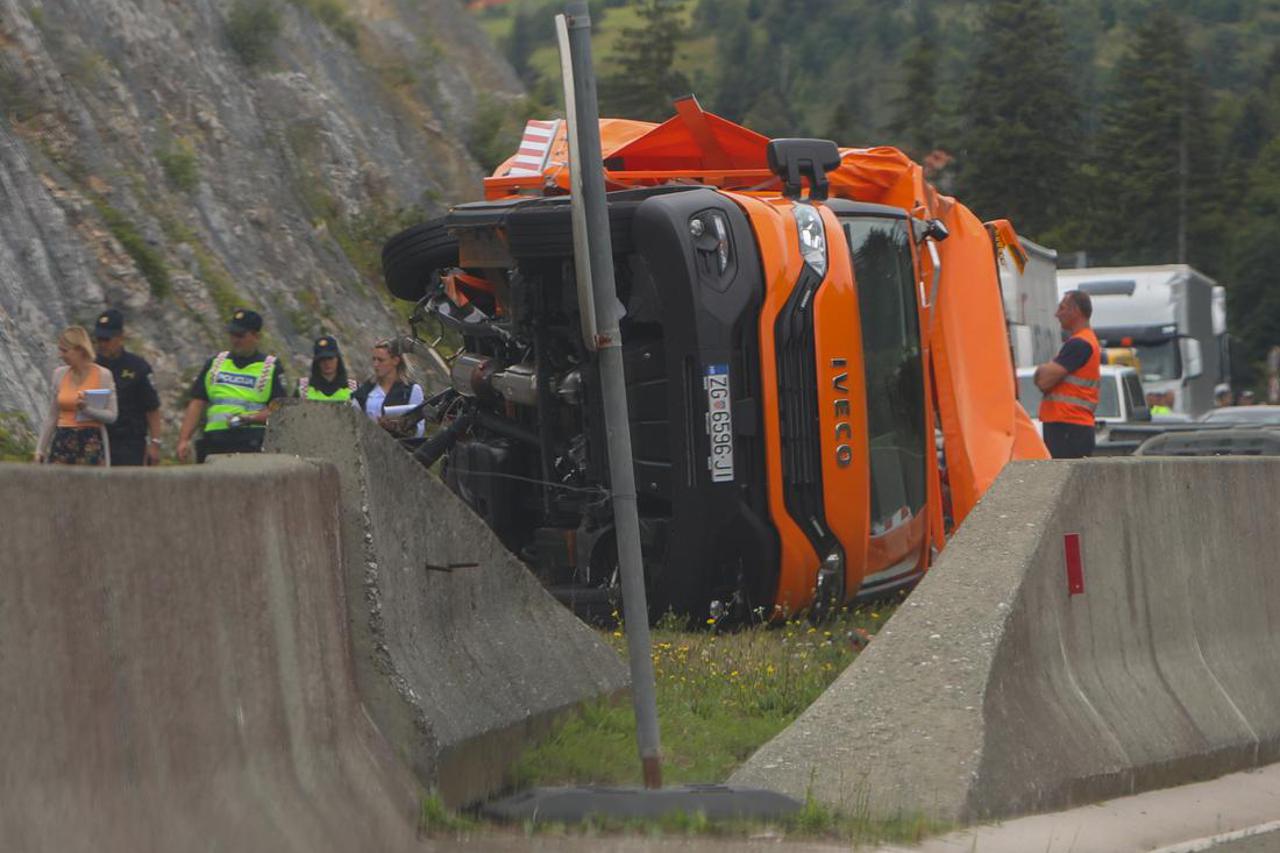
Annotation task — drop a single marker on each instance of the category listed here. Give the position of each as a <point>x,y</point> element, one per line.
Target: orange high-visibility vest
<point>1074,399</point>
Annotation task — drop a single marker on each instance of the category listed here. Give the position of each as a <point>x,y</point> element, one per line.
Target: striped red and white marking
<point>535,147</point>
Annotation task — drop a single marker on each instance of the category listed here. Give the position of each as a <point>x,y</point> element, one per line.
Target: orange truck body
<point>968,377</point>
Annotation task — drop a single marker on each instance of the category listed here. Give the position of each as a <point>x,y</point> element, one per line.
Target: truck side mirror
<point>1192,358</point>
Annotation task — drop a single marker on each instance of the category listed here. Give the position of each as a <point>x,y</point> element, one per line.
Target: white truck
<point>1167,313</point>
<point>1030,298</point>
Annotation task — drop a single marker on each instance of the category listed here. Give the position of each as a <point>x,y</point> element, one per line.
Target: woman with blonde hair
<point>392,385</point>
<point>84,402</point>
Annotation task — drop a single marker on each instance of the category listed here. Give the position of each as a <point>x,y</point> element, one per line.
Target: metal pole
<point>589,171</point>
<point>578,215</point>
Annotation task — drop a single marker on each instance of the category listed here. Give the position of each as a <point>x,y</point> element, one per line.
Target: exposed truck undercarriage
<point>777,351</point>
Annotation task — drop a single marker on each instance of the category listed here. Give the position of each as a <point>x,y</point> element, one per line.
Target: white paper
<point>396,411</point>
<point>95,398</point>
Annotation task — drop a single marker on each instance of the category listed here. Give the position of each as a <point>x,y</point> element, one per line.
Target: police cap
<point>110,323</point>
<point>245,320</point>
<point>326,347</point>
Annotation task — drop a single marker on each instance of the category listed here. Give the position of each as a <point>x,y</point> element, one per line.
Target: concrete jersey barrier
<point>993,691</point>
<point>460,667</point>
<point>175,670</point>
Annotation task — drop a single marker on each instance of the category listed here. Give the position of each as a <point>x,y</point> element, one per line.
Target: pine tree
<point>1253,297</point>
<point>1020,141</point>
<point>737,74</point>
<point>520,43</point>
<point>646,81</point>
<point>915,122</point>
<point>1156,196</point>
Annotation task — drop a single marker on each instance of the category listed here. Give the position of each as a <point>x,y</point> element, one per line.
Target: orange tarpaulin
<point>983,425</point>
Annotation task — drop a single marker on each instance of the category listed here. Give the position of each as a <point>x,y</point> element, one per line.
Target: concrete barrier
<point>461,667</point>
<point>175,671</point>
<point>993,691</point>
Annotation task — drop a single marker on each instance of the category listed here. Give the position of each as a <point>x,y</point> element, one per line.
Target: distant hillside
<point>817,55</point>
<point>1125,131</point>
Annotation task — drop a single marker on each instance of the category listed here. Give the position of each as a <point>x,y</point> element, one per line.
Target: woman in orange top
<point>74,431</point>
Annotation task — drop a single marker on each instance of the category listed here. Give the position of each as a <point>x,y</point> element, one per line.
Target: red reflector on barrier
<point>1075,566</point>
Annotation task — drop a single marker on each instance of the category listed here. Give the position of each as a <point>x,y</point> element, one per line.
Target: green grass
<point>17,439</point>
<point>720,696</point>
<point>150,262</point>
<point>180,164</point>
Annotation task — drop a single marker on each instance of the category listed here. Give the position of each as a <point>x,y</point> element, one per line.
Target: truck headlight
<point>813,237</point>
<point>710,232</point>
<point>829,592</point>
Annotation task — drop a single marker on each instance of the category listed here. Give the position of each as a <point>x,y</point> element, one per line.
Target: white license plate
<point>719,422</point>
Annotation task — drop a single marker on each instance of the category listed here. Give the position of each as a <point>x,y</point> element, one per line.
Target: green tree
<point>1253,295</point>
<point>737,72</point>
<point>520,43</point>
<point>915,118</point>
<point>1156,196</point>
<point>1021,131</point>
<point>646,81</point>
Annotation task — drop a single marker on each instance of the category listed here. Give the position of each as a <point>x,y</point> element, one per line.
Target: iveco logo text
<point>844,432</point>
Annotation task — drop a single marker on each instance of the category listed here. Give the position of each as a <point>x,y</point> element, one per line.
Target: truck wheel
<point>411,257</point>
<point>546,231</point>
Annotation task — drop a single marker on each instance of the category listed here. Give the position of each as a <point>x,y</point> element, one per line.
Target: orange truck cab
<point>817,370</point>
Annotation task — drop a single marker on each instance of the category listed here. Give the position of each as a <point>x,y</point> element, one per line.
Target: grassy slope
<point>720,696</point>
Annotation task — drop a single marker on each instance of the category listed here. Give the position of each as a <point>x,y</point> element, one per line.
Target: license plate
<point>719,422</point>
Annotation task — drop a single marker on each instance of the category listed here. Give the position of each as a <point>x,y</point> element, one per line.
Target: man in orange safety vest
<point>1071,381</point>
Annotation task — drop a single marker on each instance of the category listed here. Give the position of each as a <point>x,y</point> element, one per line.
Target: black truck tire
<point>411,257</point>
<point>546,231</point>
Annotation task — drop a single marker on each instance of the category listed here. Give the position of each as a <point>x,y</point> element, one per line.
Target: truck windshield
<point>895,381</point>
<point>1160,361</point>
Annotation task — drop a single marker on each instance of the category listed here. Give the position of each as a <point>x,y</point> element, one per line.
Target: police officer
<point>235,393</point>
<point>328,381</point>
<point>1070,383</point>
<point>135,436</point>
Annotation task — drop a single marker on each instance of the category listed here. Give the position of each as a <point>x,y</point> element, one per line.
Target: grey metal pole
<point>626,518</point>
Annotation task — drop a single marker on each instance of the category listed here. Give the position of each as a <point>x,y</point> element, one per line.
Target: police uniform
<point>315,387</point>
<point>234,386</point>
<point>135,395</point>
<point>1066,411</point>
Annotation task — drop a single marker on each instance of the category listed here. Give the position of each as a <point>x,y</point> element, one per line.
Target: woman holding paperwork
<point>391,391</point>
<point>84,402</point>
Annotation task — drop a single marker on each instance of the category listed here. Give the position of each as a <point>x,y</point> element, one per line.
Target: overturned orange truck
<point>817,366</point>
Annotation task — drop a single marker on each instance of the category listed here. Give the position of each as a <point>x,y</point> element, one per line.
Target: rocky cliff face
<point>178,158</point>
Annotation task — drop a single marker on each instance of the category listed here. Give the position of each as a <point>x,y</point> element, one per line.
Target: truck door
<point>898,437</point>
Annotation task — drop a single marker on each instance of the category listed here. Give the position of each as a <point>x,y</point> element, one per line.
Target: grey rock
<point>94,94</point>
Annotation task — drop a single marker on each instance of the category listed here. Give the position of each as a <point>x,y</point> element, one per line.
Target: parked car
<point>1243,416</point>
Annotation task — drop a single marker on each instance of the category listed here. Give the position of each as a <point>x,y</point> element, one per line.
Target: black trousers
<point>128,449</point>
<point>1068,441</point>
<point>236,440</point>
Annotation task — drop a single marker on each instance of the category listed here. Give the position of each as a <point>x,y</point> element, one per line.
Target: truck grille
<point>798,410</point>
